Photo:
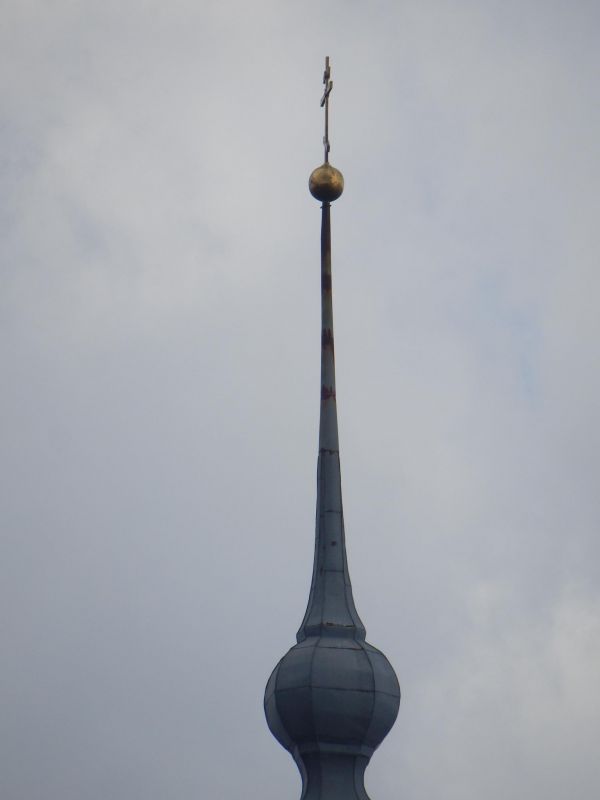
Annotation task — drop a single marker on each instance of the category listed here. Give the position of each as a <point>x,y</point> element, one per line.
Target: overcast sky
<point>160,340</point>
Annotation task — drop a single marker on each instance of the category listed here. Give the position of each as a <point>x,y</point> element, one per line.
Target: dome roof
<point>332,694</point>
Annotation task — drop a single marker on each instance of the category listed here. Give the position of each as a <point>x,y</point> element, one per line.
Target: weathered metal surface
<point>333,697</point>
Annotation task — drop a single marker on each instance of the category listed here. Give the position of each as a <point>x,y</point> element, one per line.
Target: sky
<point>159,347</point>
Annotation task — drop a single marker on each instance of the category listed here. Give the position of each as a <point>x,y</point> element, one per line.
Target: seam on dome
<point>312,705</point>
<point>374,694</point>
<point>336,689</point>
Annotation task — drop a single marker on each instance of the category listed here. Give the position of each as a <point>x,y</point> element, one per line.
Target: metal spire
<point>330,604</point>
<point>332,698</point>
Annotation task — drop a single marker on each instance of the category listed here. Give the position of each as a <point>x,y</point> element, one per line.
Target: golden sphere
<point>326,183</point>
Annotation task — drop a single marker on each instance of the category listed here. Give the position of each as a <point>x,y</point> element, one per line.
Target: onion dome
<point>331,694</point>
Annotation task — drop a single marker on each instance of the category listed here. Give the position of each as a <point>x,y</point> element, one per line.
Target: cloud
<point>514,713</point>
<point>160,337</point>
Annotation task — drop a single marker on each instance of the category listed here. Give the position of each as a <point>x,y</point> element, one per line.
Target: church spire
<point>331,607</point>
<point>332,698</point>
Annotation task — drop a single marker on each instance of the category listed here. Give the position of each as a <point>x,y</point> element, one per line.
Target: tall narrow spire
<point>333,697</point>
<point>330,605</point>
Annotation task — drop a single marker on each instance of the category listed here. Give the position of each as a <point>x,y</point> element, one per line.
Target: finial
<point>326,183</point>
<point>325,102</point>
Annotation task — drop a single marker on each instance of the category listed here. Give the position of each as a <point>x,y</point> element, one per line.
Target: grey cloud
<point>160,379</point>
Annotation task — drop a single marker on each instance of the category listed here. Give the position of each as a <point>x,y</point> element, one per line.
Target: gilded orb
<point>326,183</point>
